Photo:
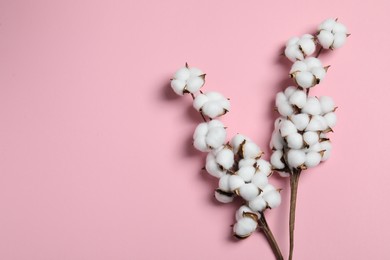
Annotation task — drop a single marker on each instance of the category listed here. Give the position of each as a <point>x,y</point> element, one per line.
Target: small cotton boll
<point>225,158</point>
<point>264,166</point>
<point>213,168</point>
<point>307,45</point>
<point>246,162</point>
<point>289,91</point>
<point>317,123</point>
<point>300,121</point>
<point>339,40</point>
<point>305,79</point>
<point>201,130</point>
<point>178,86</point>
<point>313,62</point>
<point>315,148</point>
<point>312,159</point>
<point>251,150</point>
<point>285,109</point>
<point>260,180</point>
<point>276,159</point>
<point>195,72</point>
<point>235,182</point>
<point>339,28</point>
<point>216,137</point>
<point>272,198</point>
<point>277,141</point>
<point>194,84</point>
<point>292,41</point>
<point>246,173</point>
<point>236,141</point>
<point>294,140</point>
<point>223,183</point>
<point>295,158</point>
<point>319,73</point>
<point>298,98</point>
<point>328,24</point>
<point>293,53</point>
<point>244,227</point>
<point>312,106</point>
<point>327,104</point>
<point>222,197</point>
<point>200,144</point>
<point>182,74</point>
<point>199,101</point>
<point>280,99</point>
<point>258,204</point>
<point>215,123</point>
<point>287,127</point>
<point>248,191</point>
<point>310,138</point>
<point>268,188</point>
<point>298,66</point>
<point>325,39</point>
<point>327,148</point>
<point>245,209</point>
<point>331,119</point>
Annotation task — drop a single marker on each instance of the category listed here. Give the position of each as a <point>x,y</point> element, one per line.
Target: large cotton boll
<point>305,79</point>
<point>260,180</point>
<point>298,66</point>
<point>293,53</point>
<point>258,204</point>
<point>216,137</point>
<point>264,166</point>
<point>194,84</point>
<point>307,45</point>
<point>300,121</point>
<point>244,227</point>
<point>287,127</point>
<point>294,141</point>
<point>178,86</point>
<point>248,191</point>
<point>225,158</point>
<point>326,39</point>
<point>312,106</point>
<point>251,150</point>
<point>246,173</point>
<point>295,158</point>
<point>272,198</point>
<point>310,138</point>
<point>213,109</point>
<point>298,98</point>
<point>312,159</point>
<point>235,182</point>
<point>182,74</point>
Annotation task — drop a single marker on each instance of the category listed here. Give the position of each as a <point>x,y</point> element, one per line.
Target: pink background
<point>95,151</point>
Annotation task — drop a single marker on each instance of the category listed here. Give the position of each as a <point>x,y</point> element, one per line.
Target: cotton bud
<point>312,159</point>
<point>260,180</point>
<point>264,166</point>
<point>248,191</point>
<point>258,204</point>
<point>286,128</point>
<point>331,119</point>
<point>307,72</point>
<point>212,167</point>
<point>300,121</point>
<point>296,158</point>
<point>272,197</point>
<point>298,98</point>
<point>244,227</point>
<point>210,135</point>
<point>312,106</point>
<point>246,173</point>
<point>244,210</point>
<point>332,34</point>
<point>317,123</point>
<point>235,182</point>
<point>225,157</point>
<point>223,197</point>
<point>310,138</point>
<point>294,140</point>
<point>297,48</point>
<point>187,80</point>
<point>276,159</point>
<point>211,104</point>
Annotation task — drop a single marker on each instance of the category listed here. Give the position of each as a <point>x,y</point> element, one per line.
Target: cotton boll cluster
<point>211,104</point>
<point>300,137</point>
<point>308,72</point>
<point>332,34</point>
<point>297,48</point>
<point>187,80</point>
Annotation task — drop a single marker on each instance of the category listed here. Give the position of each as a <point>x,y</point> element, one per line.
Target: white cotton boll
<point>293,53</point>
<point>300,121</point>
<point>313,62</point>
<point>201,130</point>
<point>201,145</point>
<point>222,197</point>
<point>212,109</point>
<point>292,41</point>
<point>310,138</point>
<point>312,106</point>
<point>223,183</point>
<point>268,188</point>
<point>260,180</point>
<point>315,148</point>
<point>277,141</point>
<point>327,148</point>
<point>244,227</point>
<point>298,66</point>
<point>339,28</point>
<point>325,39</point>
<point>216,137</point>
<point>251,150</point>
<point>248,191</point>
<point>305,79</point>
<point>258,204</point>
<point>280,99</point>
<point>307,44</point>
<point>295,158</point>
<point>272,198</point>
<point>215,123</point>
<point>199,101</point>
<point>285,109</point>
<point>236,141</point>
<point>235,182</point>
<point>246,173</point>
<point>276,159</point>
<point>294,140</point>
<point>328,24</point>
<point>243,209</point>
<point>289,91</point>
<point>178,86</point>
<point>327,104</point>
<point>319,73</point>
<point>331,119</point>
<point>225,158</point>
<point>246,162</point>
<point>339,40</point>
<point>213,168</point>
<point>298,98</point>
<point>195,72</point>
<point>317,123</point>
<point>264,166</point>
<point>194,84</point>
<point>312,159</point>
<point>287,127</point>
<point>182,74</point>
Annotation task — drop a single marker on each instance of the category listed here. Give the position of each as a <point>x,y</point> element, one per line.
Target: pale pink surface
<point>95,151</point>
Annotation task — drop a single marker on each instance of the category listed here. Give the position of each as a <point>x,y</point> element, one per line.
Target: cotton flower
<point>211,104</point>
<point>297,48</point>
<point>308,72</point>
<point>187,80</point>
<point>332,34</point>
<point>209,135</point>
